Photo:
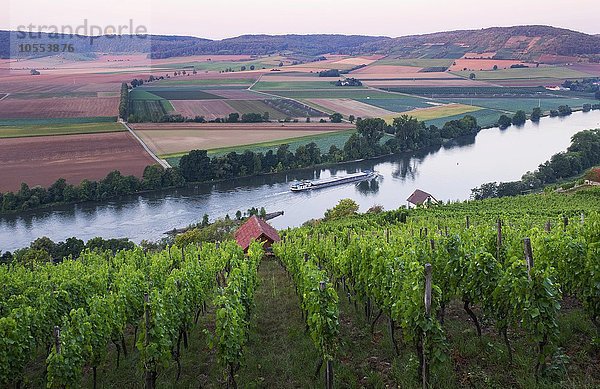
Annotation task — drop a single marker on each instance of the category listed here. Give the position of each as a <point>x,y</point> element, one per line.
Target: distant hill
<point>520,42</point>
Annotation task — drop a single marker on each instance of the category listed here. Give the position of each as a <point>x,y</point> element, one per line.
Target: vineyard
<point>494,293</point>
<point>69,314</point>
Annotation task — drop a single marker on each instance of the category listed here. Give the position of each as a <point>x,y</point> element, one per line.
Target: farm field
<point>441,111</point>
<point>554,72</point>
<point>527,105</point>
<point>256,106</point>
<point>19,131</point>
<point>323,83</point>
<point>485,118</point>
<point>415,62</point>
<point>210,109</point>
<point>168,139</point>
<point>42,160</point>
<point>463,64</point>
<point>349,107</point>
<point>58,107</point>
<point>340,93</point>
<point>401,103</point>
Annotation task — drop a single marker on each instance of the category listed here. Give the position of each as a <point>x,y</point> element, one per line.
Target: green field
<point>205,82</point>
<point>20,131</point>
<point>141,94</point>
<point>525,73</point>
<point>416,62</point>
<point>299,85</point>
<point>525,104</point>
<point>256,106</point>
<point>343,93</point>
<point>485,118</point>
<point>483,91</point>
<point>57,121</point>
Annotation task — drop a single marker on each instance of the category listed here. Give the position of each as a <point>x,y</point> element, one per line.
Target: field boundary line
<point>161,162</point>
<point>5,96</point>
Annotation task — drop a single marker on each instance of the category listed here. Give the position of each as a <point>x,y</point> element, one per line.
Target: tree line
<point>582,154</point>
<point>404,134</point>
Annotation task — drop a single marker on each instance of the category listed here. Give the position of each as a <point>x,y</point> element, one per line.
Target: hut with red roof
<point>256,229</point>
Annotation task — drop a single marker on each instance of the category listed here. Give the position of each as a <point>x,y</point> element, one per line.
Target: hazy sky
<point>227,18</point>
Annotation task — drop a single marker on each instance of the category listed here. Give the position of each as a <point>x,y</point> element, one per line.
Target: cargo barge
<point>331,181</point>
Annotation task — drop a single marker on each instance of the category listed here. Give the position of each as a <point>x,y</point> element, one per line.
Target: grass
<point>525,73</point>
<point>298,85</point>
<point>256,106</point>
<point>20,131</point>
<point>443,111</point>
<point>416,62</point>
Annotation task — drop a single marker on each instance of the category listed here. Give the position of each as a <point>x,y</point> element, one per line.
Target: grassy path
<point>279,354</point>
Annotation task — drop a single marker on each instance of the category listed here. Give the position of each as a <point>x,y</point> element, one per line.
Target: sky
<point>229,18</point>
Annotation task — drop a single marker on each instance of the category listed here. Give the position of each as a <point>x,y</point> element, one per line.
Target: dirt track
<point>42,160</point>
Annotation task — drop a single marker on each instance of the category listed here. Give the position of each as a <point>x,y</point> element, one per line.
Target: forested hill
<point>520,42</point>
<point>528,42</point>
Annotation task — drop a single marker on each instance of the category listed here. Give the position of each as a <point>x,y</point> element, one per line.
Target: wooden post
<point>387,235</point>
<point>499,239</point>
<point>148,374</point>
<point>305,257</point>
<point>182,254</point>
<point>425,368</point>
<point>57,345</point>
<point>468,222</point>
<point>582,218</point>
<point>548,226</point>
<point>328,364</point>
<point>528,254</point>
<point>432,241</point>
<point>565,223</point>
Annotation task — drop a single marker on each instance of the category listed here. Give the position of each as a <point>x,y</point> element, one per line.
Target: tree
<point>345,207</point>
<point>233,117</point>
<point>536,114</point>
<point>336,117</point>
<point>351,118</point>
<point>519,118</point>
<point>252,67</point>
<point>266,116</point>
<point>243,68</point>
<point>472,76</point>
<point>495,67</point>
<point>196,166</point>
<point>238,214</point>
<point>504,121</point>
<point>205,221</point>
<point>152,177</point>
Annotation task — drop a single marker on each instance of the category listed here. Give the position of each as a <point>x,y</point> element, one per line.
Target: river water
<point>448,173</point>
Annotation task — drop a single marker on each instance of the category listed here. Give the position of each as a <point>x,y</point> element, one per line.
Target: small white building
<point>420,198</point>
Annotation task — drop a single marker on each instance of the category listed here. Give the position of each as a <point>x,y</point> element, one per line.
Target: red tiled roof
<point>253,229</point>
<point>419,197</point>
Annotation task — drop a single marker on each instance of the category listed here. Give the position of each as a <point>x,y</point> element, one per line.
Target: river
<point>448,173</point>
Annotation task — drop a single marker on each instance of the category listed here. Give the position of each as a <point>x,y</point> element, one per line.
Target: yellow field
<point>436,112</point>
